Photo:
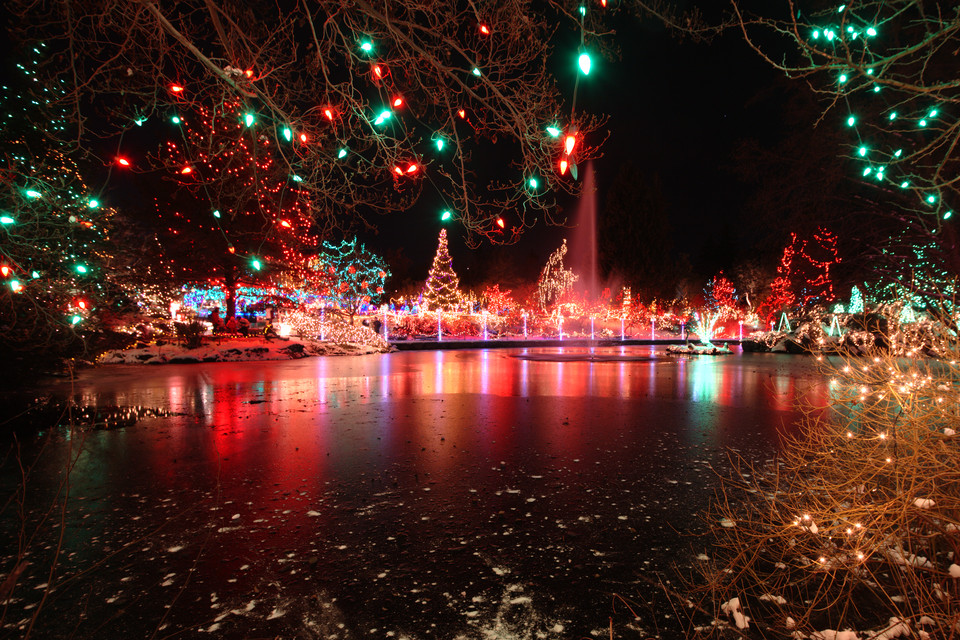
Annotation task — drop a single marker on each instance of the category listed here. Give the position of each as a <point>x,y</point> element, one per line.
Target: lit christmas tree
<point>442,288</point>
<point>238,216</point>
<point>555,280</point>
<point>358,274</point>
<point>54,244</point>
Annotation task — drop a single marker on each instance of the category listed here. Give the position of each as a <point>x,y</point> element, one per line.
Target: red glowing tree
<point>237,214</point>
<point>498,302</point>
<point>803,274</point>
<point>721,295</point>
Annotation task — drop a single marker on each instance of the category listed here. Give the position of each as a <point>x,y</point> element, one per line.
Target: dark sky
<point>677,109</point>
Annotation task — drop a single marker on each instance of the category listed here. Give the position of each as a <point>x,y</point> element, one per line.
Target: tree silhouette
<point>634,235</point>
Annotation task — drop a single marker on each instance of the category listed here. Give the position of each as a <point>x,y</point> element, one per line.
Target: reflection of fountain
<point>439,328</point>
<point>583,244</point>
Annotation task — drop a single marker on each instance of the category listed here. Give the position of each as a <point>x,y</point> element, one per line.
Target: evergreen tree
<point>54,241</point>
<point>441,290</point>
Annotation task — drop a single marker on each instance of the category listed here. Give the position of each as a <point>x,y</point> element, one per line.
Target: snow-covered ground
<point>236,349</point>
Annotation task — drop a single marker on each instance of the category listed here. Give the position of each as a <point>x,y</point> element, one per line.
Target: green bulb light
<point>862,151</point>
<point>922,122</point>
<point>841,8</point>
<point>871,32</point>
<point>287,134</point>
<point>31,193</point>
<point>876,88</point>
<point>342,153</point>
<point>175,119</point>
<point>34,274</point>
<point>6,220</point>
<point>383,117</point>
<point>216,213</point>
<point>256,264</point>
<point>554,132</point>
<point>446,215</point>
<point>533,183</point>
<point>816,34</point>
<point>439,142</point>
<point>843,78</point>
<point>933,113</point>
<point>248,119</point>
<point>897,153</point>
<point>366,46</point>
<point>867,171</point>
<point>14,284</point>
<point>584,63</point>
<point>81,268</point>
<point>94,203</point>
<point>851,121</point>
<point>893,115</point>
<point>830,35</point>
<point>75,319</point>
<point>904,184</point>
<point>476,72</point>
<point>931,199</point>
<point>948,215</point>
<point>296,178</point>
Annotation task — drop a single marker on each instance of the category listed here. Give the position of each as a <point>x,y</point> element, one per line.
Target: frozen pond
<point>431,494</point>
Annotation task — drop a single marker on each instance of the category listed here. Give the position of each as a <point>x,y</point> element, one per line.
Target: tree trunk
<point>230,289</point>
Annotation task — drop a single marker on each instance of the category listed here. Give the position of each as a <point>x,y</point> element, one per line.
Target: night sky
<point>676,109</point>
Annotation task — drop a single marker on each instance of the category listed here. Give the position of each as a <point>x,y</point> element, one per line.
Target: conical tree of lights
<point>442,288</point>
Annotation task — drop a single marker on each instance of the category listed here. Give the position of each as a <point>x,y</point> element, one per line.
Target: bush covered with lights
<point>854,528</point>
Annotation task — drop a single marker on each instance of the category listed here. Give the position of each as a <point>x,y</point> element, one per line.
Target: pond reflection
<point>416,493</point>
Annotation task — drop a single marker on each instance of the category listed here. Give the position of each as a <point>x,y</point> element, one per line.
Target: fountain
<point>583,244</point>
<point>591,327</point>
<point>524,324</point>
<point>484,324</point>
<point>622,337</point>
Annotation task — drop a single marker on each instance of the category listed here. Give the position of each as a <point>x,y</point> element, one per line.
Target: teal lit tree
<point>442,289</point>
<point>56,260</point>
<point>357,274</point>
<point>237,216</point>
